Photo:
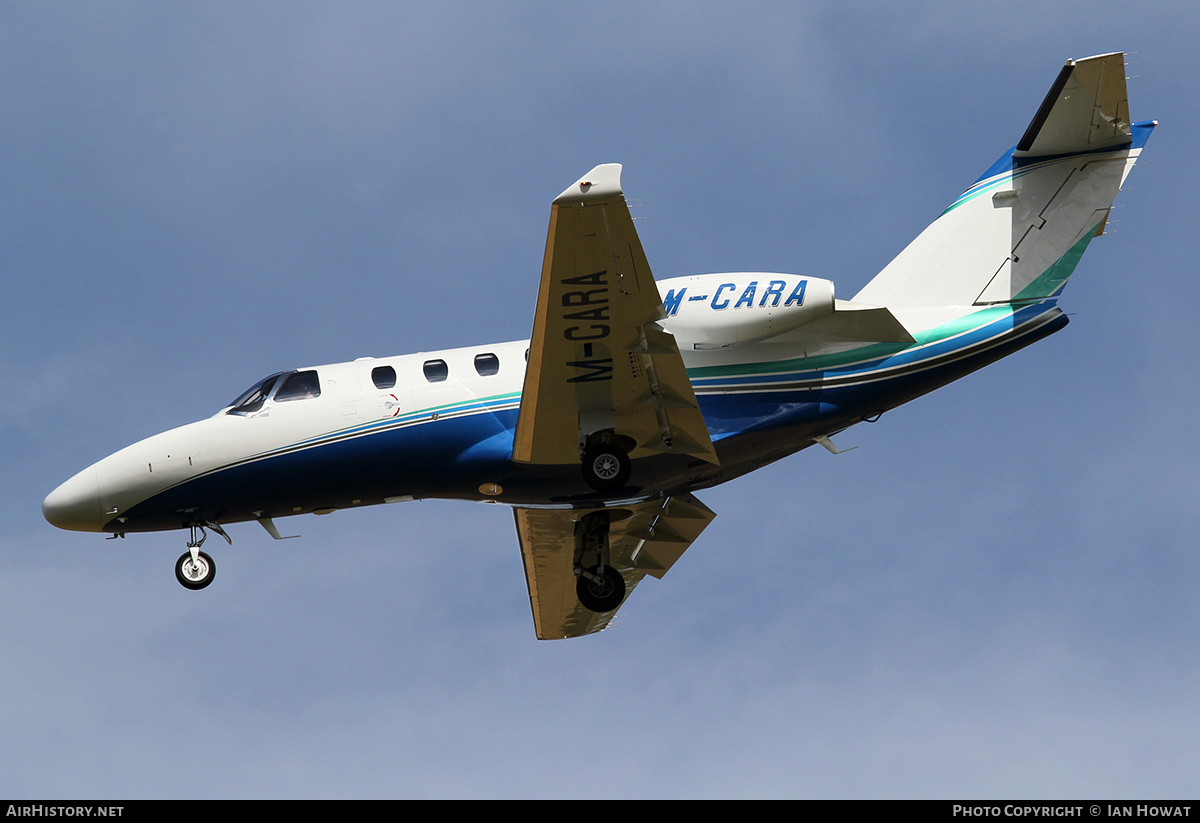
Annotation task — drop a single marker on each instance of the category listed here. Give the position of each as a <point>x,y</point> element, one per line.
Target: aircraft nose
<point>75,505</point>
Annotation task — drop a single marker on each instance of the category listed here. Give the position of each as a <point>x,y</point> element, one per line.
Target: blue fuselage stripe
<point>472,442</point>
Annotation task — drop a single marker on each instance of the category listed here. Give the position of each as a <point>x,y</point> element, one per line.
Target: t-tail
<point>1015,236</point>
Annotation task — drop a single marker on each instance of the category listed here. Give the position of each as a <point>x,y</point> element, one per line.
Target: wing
<point>598,360</point>
<point>644,539</point>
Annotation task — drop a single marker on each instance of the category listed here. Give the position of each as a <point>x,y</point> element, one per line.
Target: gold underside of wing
<point>644,539</point>
<point>598,360</point>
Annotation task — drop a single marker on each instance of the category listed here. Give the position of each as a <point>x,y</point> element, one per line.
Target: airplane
<point>632,395</point>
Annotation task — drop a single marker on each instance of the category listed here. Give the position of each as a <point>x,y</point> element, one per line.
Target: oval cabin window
<point>487,364</point>
<point>436,370</point>
<point>384,377</point>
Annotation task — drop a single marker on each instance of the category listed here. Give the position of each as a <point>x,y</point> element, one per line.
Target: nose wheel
<point>195,572</point>
<point>194,569</point>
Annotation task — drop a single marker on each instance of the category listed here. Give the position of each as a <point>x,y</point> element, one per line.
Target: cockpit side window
<point>299,386</point>
<point>253,398</point>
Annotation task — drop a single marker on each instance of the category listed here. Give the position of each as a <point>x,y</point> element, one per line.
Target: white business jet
<point>632,395</point>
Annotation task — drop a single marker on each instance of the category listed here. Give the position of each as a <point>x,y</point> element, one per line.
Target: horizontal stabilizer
<point>1086,109</point>
<point>862,323</point>
<point>850,322</point>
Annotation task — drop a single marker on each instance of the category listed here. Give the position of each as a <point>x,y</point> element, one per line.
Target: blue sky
<point>993,596</point>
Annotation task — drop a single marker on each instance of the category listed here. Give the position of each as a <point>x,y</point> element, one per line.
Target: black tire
<point>197,576</point>
<point>602,596</point>
<point>606,468</point>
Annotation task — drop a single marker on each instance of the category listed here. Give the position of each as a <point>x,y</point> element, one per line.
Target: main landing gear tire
<point>195,575</point>
<point>603,595</point>
<point>606,468</point>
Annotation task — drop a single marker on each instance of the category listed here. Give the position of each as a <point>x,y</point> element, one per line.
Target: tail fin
<point>1019,231</point>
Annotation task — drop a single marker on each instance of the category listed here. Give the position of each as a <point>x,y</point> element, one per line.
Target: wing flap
<point>665,533</point>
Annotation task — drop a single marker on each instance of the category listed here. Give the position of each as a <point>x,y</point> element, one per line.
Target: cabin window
<point>436,370</point>
<point>253,398</point>
<point>299,386</point>
<point>384,377</point>
<point>487,364</point>
<point>527,355</point>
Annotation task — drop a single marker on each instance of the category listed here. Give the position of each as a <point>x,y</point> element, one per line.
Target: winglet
<point>1086,109</point>
<point>600,183</point>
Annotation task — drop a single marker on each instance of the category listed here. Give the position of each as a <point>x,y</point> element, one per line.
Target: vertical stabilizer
<point>1018,233</point>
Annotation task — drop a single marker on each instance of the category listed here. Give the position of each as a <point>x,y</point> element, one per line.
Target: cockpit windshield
<point>279,387</point>
<point>253,398</point>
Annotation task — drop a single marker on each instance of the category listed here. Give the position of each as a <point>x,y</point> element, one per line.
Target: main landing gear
<point>606,467</point>
<point>599,587</point>
<point>195,569</point>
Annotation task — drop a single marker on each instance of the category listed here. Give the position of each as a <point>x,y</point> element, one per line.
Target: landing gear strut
<point>601,592</point>
<point>599,587</point>
<point>195,569</point>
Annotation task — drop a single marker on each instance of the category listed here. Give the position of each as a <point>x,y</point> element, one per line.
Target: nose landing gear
<point>195,572</point>
<point>195,569</point>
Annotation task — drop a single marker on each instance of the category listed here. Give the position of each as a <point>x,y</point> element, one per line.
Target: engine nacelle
<point>713,310</point>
